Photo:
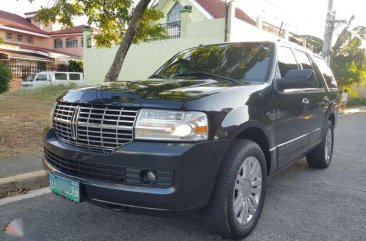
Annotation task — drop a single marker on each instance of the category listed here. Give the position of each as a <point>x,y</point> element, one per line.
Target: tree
<point>119,21</point>
<point>348,59</point>
<point>315,41</point>
<point>5,77</point>
<point>75,66</point>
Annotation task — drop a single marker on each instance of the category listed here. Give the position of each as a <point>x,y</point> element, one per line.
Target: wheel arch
<point>332,119</point>
<point>261,137</point>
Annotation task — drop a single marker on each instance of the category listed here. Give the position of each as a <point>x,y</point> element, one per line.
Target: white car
<point>52,78</point>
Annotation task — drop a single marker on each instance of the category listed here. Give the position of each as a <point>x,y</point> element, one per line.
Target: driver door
<point>292,126</point>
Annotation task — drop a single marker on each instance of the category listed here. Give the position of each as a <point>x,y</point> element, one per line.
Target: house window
<point>89,42</point>
<point>30,40</point>
<point>174,13</point>
<point>71,43</point>
<point>41,65</point>
<point>9,36</point>
<point>20,38</point>
<point>58,43</point>
<point>82,42</point>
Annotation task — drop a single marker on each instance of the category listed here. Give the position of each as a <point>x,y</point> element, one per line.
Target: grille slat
<point>99,129</point>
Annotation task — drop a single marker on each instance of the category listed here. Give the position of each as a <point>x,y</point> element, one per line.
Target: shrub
<point>5,77</point>
<point>357,101</point>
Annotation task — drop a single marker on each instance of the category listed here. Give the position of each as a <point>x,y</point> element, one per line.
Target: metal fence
<point>22,71</point>
<point>173,30</point>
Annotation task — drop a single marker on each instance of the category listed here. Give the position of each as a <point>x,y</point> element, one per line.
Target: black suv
<point>203,132</point>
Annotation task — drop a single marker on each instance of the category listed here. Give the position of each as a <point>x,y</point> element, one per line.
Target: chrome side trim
<point>295,139</point>
<point>272,149</point>
<point>317,129</point>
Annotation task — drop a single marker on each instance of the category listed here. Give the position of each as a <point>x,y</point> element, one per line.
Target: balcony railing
<point>173,30</point>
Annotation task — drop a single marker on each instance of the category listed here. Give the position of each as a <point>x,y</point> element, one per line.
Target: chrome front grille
<point>94,128</point>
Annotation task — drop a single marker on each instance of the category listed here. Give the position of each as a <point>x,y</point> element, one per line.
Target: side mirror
<point>297,79</point>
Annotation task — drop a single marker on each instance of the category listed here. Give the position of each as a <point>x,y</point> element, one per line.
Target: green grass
<point>357,101</point>
<point>47,93</point>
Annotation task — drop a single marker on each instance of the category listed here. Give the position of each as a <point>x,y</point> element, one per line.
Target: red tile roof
<point>217,9</point>
<point>73,30</point>
<point>34,48</point>
<point>15,21</point>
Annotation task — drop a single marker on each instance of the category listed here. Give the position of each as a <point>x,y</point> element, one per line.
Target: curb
<point>27,181</point>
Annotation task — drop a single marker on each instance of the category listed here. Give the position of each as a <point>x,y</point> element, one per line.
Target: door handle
<point>326,99</point>
<point>306,101</point>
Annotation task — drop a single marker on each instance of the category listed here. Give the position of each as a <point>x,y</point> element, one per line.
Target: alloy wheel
<point>328,145</point>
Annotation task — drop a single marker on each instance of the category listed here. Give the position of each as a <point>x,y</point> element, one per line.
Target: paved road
<point>302,204</point>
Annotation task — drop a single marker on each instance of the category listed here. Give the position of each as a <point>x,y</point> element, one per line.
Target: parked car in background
<point>203,132</point>
<point>52,78</point>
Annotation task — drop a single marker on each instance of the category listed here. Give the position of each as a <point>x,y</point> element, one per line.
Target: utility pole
<point>229,10</point>
<point>328,33</point>
<point>226,21</point>
<point>329,30</point>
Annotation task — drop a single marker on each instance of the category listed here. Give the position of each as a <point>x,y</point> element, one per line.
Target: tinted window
<point>60,76</point>
<point>42,77</point>
<point>30,77</point>
<point>74,76</point>
<point>326,72</point>
<point>247,62</point>
<point>304,60</point>
<point>306,63</point>
<point>286,61</point>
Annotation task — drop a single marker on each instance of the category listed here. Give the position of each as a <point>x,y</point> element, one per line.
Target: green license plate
<point>67,188</point>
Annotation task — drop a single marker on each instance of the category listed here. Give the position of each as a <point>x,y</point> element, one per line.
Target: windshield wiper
<point>158,76</point>
<point>202,73</point>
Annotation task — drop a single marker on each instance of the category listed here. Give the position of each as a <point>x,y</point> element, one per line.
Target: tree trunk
<point>116,67</point>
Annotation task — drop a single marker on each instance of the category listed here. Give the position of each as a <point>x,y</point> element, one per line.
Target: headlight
<point>171,125</point>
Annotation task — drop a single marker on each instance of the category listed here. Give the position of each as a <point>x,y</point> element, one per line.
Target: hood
<point>148,93</point>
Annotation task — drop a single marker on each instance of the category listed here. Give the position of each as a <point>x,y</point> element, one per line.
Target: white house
<point>189,23</point>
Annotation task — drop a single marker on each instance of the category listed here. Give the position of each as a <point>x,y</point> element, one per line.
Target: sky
<point>304,16</point>
<point>300,16</point>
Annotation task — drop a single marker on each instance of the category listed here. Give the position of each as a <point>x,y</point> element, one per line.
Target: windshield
<point>242,62</point>
<point>29,78</point>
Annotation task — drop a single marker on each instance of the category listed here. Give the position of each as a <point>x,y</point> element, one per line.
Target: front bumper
<point>195,167</point>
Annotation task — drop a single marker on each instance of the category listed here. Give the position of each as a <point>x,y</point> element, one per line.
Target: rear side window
<point>60,76</point>
<point>74,76</point>
<point>286,60</point>
<point>304,60</point>
<point>326,72</point>
<point>306,63</point>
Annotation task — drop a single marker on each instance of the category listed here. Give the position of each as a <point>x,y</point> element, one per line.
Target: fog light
<point>151,176</point>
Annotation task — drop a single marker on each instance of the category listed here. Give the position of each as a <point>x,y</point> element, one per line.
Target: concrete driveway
<point>301,204</point>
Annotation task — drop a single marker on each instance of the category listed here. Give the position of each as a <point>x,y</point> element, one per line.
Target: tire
<point>321,156</point>
<point>219,216</point>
